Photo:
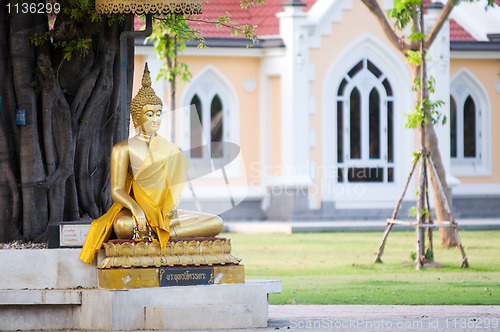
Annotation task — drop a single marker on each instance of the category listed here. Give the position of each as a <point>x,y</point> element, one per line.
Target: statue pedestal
<point>170,276</point>
<point>183,262</point>
<point>204,251</point>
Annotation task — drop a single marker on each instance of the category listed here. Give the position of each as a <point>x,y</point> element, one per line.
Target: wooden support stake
<point>429,221</point>
<point>423,220</point>
<point>380,250</point>
<point>465,262</point>
<point>401,222</point>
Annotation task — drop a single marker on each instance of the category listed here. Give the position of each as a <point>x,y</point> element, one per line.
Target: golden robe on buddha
<point>156,186</point>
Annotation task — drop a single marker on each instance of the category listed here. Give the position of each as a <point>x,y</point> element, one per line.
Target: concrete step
<point>40,297</point>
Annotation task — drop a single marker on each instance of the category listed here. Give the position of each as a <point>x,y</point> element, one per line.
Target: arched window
<point>469,132</point>
<point>196,118</point>
<point>453,128</point>
<point>207,118</point>
<point>463,132</point>
<point>213,116</point>
<point>216,126</point>
<point>365,148</point>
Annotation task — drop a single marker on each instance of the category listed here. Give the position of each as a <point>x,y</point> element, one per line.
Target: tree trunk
<point>33,192</point>
<point>448,237</point>
<point>10,198</point>
<point>55,168</point>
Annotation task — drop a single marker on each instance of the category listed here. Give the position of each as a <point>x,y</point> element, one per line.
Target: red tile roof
<point>268,24</point>
<point>264,17</point>
<point>458,33</point>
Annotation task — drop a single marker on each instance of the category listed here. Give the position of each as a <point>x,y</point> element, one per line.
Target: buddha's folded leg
<point>189,224</point>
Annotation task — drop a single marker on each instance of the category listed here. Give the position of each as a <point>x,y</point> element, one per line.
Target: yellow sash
<point>156,187</point>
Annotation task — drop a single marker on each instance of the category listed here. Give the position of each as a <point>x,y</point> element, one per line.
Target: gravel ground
<point>22,245</point>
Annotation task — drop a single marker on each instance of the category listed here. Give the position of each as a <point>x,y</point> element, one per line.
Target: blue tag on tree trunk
<point>20,117</point>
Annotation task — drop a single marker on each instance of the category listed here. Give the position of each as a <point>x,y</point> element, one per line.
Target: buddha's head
<point>146,106</point>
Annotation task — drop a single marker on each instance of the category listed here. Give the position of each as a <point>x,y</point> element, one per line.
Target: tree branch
<point>247,30</point>
<point>443,16</point>
<point>375,9</point>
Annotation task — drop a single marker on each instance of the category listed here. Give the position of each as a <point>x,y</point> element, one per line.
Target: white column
<point>295,96</point>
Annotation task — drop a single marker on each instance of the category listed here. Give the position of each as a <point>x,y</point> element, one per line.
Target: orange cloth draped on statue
<point>156,187</point>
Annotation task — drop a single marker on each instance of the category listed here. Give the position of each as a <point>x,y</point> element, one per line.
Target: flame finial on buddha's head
<point>145,96</point>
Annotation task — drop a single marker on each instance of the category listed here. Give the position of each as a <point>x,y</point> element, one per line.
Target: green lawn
<point>337,268</point>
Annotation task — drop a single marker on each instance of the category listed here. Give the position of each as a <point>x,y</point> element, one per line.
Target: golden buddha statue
<point>148,174</point>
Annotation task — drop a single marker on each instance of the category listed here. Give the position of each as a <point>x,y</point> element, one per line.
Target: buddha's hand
<point>140,218</point>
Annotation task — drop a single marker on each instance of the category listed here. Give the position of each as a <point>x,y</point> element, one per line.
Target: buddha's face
<point>150,118</point>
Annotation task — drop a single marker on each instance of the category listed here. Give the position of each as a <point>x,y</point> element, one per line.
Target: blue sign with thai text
<point>179,276</point>
<point>20,117</point>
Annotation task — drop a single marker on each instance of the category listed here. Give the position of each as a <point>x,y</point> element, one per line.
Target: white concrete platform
<point>164,308</point>
<point>45,268</point>
<point>51,289</point>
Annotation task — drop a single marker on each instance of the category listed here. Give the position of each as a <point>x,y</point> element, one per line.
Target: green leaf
<point>428,255</point>
<point>416,36</point>
<point>416,84</point>
<point>416,156</point>
<point>39,39</point>
<point>248,3</point>
<point>414,118</point>
<point>403,12</point>
<point>445,119</point>
<point>414,57</point>
<point>412,212</point>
